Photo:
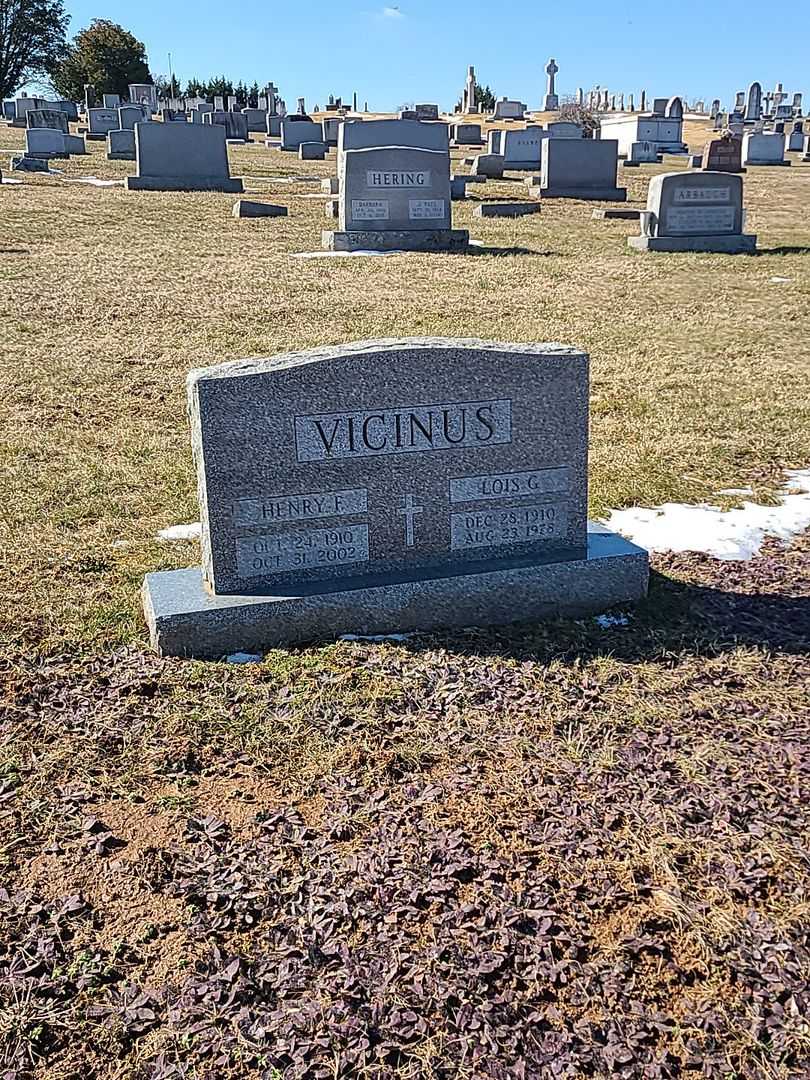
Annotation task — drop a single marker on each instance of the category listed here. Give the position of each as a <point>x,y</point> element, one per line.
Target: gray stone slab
<point>246,208</point>
<point>617,215</point>
<point>186,620</point>
<point>388,456</point>
<point>181,157</point>
<point>235,124</point>
<point>390,187</point>
<point>489,165</point>
<point>29,164</point>
<point>121,145</point>
<point>312,151</point>
<point>721,245</point>
<point>295,132</point>
<point>183,183</point>
<point>581,169</point>
<point>507,210</point>
<point>447,240</point>
<point>614,194</point>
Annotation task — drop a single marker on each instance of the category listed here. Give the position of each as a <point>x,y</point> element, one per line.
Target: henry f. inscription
<point>317,504</point>
<point>333,436</point>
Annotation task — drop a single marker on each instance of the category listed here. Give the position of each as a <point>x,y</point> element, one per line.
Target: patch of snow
<point>735,491</point>
<point>733,535</point>
<point>780,280</point>
<point>376,637</point>
<point>190,531</point>
<point>342,254</point>
<point>243,658</point>
<point>94,181</point>
<point>609,621</point>
<point>11,180</point>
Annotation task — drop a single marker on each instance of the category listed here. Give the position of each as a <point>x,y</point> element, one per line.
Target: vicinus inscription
<point>410,429</point>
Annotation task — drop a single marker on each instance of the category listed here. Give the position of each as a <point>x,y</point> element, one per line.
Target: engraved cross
<point>409,512</point>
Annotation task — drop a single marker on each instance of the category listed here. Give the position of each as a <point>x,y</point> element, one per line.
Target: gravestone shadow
<point>676,617</point>
<point>787,250</point>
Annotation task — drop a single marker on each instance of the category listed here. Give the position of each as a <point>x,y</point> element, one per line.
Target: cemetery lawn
<point>566,849</point>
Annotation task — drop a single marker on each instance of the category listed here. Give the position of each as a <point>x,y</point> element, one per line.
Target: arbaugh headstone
<point>394,179</point>
<point>694,212</point>
<point>386,485</point>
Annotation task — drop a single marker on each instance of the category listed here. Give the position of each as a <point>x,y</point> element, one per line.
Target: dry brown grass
<point>699,376</point>
<point>699,381</point>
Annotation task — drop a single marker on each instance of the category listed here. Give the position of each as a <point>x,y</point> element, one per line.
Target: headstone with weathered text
<point>764,150</point>
<point>722,155</point>
<point>100,121</point>
<point>55,119</point>
<point>389,485</point>
<point>694,212</point>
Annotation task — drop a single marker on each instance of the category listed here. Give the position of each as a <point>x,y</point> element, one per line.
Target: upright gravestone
<point>181,157</point>
<point>101,121</point>
<point>722,155</point>
<point>466,135</point>
<point>295,132</point>
<point>54,119</point>
<point>111,101</point>
<point>121,145</point>
<point>426,112</point>
<point>235,124</point>
<point>389,485</point>
<point>522,149</point>
<point>694,212</point>
<point>129,116</point>
<point>794,140</point>
<point>580,169</point>
<point>394,178</point>
<point>764,150</point>
<point>753,108</point>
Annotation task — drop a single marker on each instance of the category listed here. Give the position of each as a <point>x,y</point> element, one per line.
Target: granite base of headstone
<point>387,486</point>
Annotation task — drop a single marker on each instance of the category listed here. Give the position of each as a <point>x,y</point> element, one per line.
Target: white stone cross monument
<point>551,102</point>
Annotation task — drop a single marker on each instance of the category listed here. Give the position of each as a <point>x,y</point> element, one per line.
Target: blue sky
<point>418,50</point>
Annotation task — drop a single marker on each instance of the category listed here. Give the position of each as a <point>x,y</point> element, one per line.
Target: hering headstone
<point>394,178</point>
